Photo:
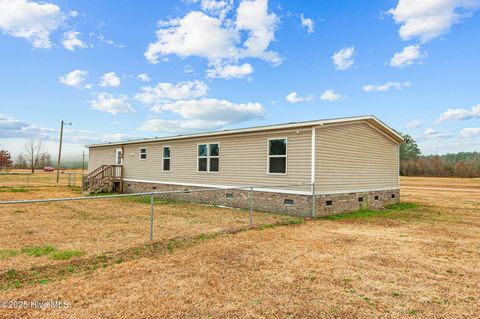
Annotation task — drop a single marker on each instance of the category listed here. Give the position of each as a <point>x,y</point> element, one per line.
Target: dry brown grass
<point>420,262</point>
<point>23,178</point>
<point>466,183</point>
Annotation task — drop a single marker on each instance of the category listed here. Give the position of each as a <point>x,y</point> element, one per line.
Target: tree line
<point>32,157</point>
<point>413,163</point>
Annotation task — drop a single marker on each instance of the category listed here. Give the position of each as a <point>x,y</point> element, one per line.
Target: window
<point>360,199</point>
<point>208,157</point>
<point>287,201</point>
<point>119,156</point>
<point>328,203</point>
<point>277,156</point>
<point>376,197</point>
<point>229,195</point>
<point>143,153</point>
<point>166,158</point>
<point>214,157</point>
<point>393,195</point>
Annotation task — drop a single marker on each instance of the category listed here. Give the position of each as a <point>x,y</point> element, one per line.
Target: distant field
<point>24,178</point>
<point>418,259</point>
<point>466,183</point>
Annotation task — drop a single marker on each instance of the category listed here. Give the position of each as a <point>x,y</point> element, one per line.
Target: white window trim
<point>286,155</point>
<point>208,157</point>
<point>140,154</point>
<point>116,156</point>
<point>170,158</point>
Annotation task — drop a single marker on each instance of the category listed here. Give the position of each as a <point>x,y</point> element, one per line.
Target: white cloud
<point>188,69</point>
<point>143,77</point>
<point>210,109</point>
<point>217,39</point>
<point>110,79</point>
<point>431,133</point>
<point>164,92</point>
<point>407,56</point>
<point>196,34</point>
<point>343,59</point>
<point>203,114</point>
<point>386,87</point>
<point>12,128</point>
<point>112,104</point>
<point>230,71</point>
<point>413,124</point>
<point>218,8</point>
<point>17,131</point>
<point>331,96</point>
<point>428,19</point>
<point>253,16</point>
<point>71,41</point>
<point>30,20</point>
<point>73,14</point>
<point>307,23</point>
<point>470,132</point>
<point>459,114</point>
<point>74,78</point>
<point>102,39</point>
<point>179,126</point>
<point>293,97</point>
<point>197,112</point>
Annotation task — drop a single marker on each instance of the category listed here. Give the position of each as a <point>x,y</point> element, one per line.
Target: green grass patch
<point>66,254</point>
<point>8,189</point>
<point>389,211</point>
<point>38,251</point>
<point>11,273</point>
<point>146,200</point>
<point>8,253</point>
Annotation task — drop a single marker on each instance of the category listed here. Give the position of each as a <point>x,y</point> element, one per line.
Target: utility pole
<point>83,161</point>
<point>60,149</point>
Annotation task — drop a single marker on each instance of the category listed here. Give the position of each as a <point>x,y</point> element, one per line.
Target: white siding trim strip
<point>255,188</point>
<point>313,148</point>
<point>262,189</point>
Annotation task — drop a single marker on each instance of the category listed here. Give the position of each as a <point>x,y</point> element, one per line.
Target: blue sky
<point>207,65</point>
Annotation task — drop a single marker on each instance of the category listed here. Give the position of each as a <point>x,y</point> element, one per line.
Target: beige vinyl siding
<point>101,155</point>
<point>354,157</point>
<point>243,160</point>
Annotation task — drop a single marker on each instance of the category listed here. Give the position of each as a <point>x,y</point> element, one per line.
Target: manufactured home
<point>348,163</point>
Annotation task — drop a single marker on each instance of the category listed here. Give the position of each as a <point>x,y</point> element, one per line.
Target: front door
<point>118,156</point>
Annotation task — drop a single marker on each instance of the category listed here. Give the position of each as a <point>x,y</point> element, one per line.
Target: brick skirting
<point>274,202</point>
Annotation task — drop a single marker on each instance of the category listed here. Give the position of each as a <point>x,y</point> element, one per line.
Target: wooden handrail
<point>103,172</point>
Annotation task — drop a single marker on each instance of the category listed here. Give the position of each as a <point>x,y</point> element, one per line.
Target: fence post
<point>151,216</point>
<point>251,206</point>
<point>313,201</point>
<point>28,181</point>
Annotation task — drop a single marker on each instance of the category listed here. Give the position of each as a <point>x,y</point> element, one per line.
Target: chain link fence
<point>52,234</point>
<point>27,180</point>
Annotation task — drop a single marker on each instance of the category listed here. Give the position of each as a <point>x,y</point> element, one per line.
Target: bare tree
<point>32,153</point>
<point>20,162</point>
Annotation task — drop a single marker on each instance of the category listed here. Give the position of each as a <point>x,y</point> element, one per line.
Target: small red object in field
<point>48,169</point>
